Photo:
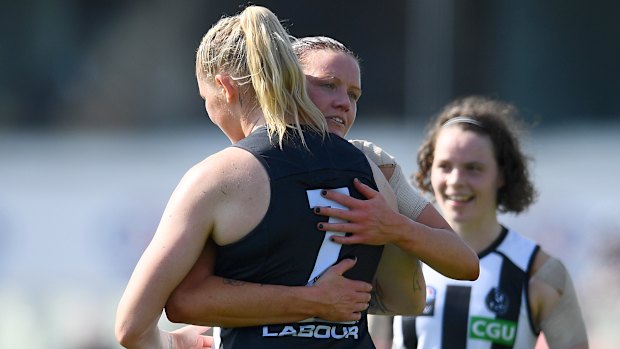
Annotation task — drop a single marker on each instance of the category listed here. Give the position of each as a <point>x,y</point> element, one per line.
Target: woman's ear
<point>228,87</point>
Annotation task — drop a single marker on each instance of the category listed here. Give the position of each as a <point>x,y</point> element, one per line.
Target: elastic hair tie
<point>462,119</point>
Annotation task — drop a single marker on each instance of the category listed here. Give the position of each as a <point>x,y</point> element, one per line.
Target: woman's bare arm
<point>205,299</point>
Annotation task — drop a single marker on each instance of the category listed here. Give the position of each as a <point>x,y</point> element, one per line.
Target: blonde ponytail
<point>254,47</point>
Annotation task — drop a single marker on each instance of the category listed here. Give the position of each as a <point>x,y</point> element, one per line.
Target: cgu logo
<point>493,330</point>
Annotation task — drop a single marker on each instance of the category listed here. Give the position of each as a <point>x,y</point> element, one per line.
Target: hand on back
<point>370,221</point>
<point>342,299</point>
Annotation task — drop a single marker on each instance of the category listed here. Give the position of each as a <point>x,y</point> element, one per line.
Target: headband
<point>462,119</point>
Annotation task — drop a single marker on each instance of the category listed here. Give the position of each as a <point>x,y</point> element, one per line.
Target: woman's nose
<point>454,177</point>
<point>343,101</point>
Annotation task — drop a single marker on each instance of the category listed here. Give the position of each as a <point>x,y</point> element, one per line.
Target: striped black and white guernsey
<point>287,249</point>
<point>490,313</point>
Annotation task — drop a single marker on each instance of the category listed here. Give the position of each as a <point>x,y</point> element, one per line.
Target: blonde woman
<point>254,199</point>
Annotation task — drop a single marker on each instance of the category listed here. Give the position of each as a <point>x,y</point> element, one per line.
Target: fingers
<point>365,190</point>
<point>352,204</point>
<point>347,240</point>
<point>342,266</point>
<point>346,227</point>
<point>207,341</point>
<point>340,316</point>
<point>192,336</point>
<point>344,299</point>
<point>347,200</point>
<point>333,212</point>
<point>340,198</point>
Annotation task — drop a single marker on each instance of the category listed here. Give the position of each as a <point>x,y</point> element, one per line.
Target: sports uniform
<point>491,312</point>
<point>287,249</point>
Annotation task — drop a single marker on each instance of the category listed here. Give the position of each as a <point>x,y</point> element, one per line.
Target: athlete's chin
<point>337,128</point>
<point>456,215</point>
<point>459,219</point>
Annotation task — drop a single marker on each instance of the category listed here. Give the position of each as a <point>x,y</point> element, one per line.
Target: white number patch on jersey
<point>329,250</point>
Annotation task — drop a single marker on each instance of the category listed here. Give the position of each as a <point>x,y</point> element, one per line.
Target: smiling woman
<point>337,75</point>
<point>472,162</point>
<point>464,157</point>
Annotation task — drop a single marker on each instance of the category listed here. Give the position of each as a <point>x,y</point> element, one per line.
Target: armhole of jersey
<point>535,330</point>
<point>260,159</point>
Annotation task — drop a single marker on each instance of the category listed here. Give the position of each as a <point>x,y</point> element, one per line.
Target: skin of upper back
<point>241,190</point>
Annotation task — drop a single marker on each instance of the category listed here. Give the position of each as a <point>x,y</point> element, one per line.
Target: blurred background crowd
<point>100,117</point>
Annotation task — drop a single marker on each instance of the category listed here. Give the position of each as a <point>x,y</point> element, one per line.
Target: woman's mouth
<point>459,198</point>
<point>336,119</point>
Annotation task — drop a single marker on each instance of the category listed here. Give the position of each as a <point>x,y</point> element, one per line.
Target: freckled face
<point>334,85</point>
<point>465,176</point>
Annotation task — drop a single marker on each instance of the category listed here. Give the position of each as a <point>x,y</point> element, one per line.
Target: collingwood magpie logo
<point>497,301</point>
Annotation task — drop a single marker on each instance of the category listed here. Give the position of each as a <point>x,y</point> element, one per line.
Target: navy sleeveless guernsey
<point>286,248</point>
